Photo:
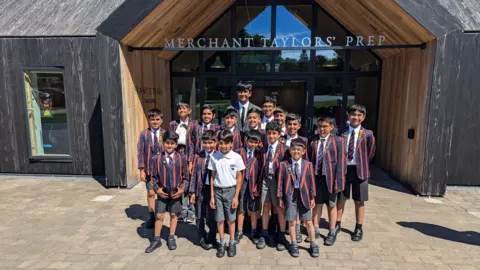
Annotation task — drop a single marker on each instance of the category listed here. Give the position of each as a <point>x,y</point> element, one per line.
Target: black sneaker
<point>357,235</point>
<point>261,244</point>
<point>238,236</point>
<point>232,249</point>
<point>294,250</point>
<point>156,243</point>
<point>254,238</point>
<point>331,238</point>
<point>171,243</point>
<point>221,250</point>
<point>281,242</point>
<point>314,250</point>
<point>150,223</point>
<point>205,245</point>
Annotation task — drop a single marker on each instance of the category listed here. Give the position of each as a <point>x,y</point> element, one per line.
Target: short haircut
<point>298,142</point>
<point>230,111</point>
<point>269,99</point>
<point>330,120</point>
<point>209,135</point>
<point>183,104</point>
<point>255,110</point>
<point>225,136</point>
<point>207,107</point>
<point>154,112</point>
<point>357,108</point>
<point>274,125</point>
<point>293,117</point>
<point>170,135</point>
<point>254,134</point>
<point>244,86</point>
<point>280,109</point>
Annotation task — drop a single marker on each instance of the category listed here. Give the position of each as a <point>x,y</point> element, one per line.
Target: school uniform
<point>169,173</point>
<point>149,147</point>
<point>201,127</point>
<point>237,137</point>
<point>266,120</point>
<point>288,140</point>
<point>330,164</point>
<point>251,180</point>
<point>271,156</point>
<point>296,186</point>
<point>200,186</point>
<point>243,113</point>
<point>185,134</point>
<point>226,167</point>
<point>360,149</point>
<point>262,140</point>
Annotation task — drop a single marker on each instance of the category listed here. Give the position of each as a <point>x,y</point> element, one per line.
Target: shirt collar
<point>291,138</point>
<point>249,151</point>
<point>186,123</point>
<point>274,145</point>
<point>232,129</point>
<point>171,155</point>
<point>207,125</point>
<point>246,105</point>
<point>265,119</point>
<point>326,138</point>
<point>357,129</point>
<point>153,130</point>
<point>299,162</point>
<point>207,154</point>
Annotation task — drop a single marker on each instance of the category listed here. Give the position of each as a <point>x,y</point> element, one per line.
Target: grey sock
<point>317,230</point>
<point>222,241</point>
<point>233,242</point>
<point>240,231</point>
<point>297,227</point>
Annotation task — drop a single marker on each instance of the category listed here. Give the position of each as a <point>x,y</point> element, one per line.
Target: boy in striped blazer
<point>280,115</point>
<point>327,153</point>
<point>360,149</point>
<point>254,123</point>
<point>230,119</point>
<point>200,191</point>
<point>249,199</point>
<point>296,193</point>
<point>208,114</point>
<point>149,146</point>
<point>170,175</point>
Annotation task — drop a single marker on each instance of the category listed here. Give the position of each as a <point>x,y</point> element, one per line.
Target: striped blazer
<point>197,180</point>
<point>334,163</point>
<point>145,147</point>
<point>364,153</point>
<point>285,181</point>
<point>278,157</point>
<point>287,155</point>
<point>189,147</point>
<point>197,135</point>
<point>237,138</point>
<point>170,178</point>
<point>254,172</point>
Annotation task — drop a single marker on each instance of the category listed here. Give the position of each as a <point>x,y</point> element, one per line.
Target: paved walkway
<point>52,224</point>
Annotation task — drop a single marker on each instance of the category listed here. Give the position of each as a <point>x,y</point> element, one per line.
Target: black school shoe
<point>205,245</point>
<point>254,238</point>
<point>221,250</point>
<point>156,243</point>
<point>281,242</point>
<point>262,243</point>
<point>331,238</point>
<point>238,236</point>
<point>357,235</point>
<point>294,250</point>
<point>314,250</point>
<point>232,249</point>
<point>171,243</point>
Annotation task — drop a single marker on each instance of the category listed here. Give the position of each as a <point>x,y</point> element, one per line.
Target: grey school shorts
<point>323,196</point>
<point>358,187</point>
<point>148,183</point>
<point>223,204</point>
<point>269,190</point>
<point>294,207</point>
<point>169,205</point>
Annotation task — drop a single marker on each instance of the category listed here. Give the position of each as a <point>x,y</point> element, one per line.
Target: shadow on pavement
<point>467,237</point>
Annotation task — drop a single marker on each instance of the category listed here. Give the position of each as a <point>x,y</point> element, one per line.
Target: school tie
<point>169,162</point>
<point>242,119</point>
<point>249,164</point>
<point>169,179</point>
<point>297,175</point>
<point>320,157</point>
<point>183,125</point>
<point>207,161</point>
<point>156,144</point>
<point>351,146</point>
<point>269,159</point>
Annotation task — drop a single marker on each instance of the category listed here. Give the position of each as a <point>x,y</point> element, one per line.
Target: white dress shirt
<point>182,133</point>
<point>284,131</point>
<point>171,155</point>
<point>265,120</point>
<point>153,135</point>
<point>289,139</point>
<point>354,161</point>
<point>318,149</point>
<point>232,129</point>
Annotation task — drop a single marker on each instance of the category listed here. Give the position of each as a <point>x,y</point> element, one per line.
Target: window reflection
<point>185,89</point>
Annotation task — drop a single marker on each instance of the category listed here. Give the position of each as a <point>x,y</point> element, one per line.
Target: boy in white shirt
<point>227,179</point>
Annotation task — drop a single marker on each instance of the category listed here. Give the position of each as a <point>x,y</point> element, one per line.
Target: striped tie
<point>249,164</point>
<point>351,146</point>
<point>297,175</point>
<point>269,159</point>
<point>156,144</point>
<point>320,157</point>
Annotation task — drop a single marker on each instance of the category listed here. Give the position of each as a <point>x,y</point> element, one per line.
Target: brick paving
<point>52,224</point>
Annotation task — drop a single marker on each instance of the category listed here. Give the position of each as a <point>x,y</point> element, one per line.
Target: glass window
<point>254,30</point>
<point>218,95</point>
<point>47,113</point>
<point>218,35</point>
<point>186,62</point>
<point>363,90</point>
<point>329,60</point>
<point>186,89</point>
<point>327,99</point>
<point>363,60</point>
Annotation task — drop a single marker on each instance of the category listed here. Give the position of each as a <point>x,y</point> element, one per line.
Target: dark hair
<point>279,109</point>
<point>244,86</point>
<point>254,135</point>
<point>298,142</point>
<point>255,110</point>
<point>274,125</point>
<point>170,135</point>
<point>225,136</point>
<point>357,108</point>
<point>180,104</point>
<point>209,135</point>
<point>154,112</point>
<point>207,107</point>
<point>269,99</point>
<point>330,120</point>
<point>230,111</point>
<point>293,117</point>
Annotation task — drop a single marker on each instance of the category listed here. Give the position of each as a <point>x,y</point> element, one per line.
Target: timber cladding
<point>146,85</point>
<point>404,104</point>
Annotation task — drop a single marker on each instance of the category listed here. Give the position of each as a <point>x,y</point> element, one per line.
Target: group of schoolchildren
<point>256,165</point>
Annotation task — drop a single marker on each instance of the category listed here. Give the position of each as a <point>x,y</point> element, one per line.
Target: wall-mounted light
<point>218,63</point>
